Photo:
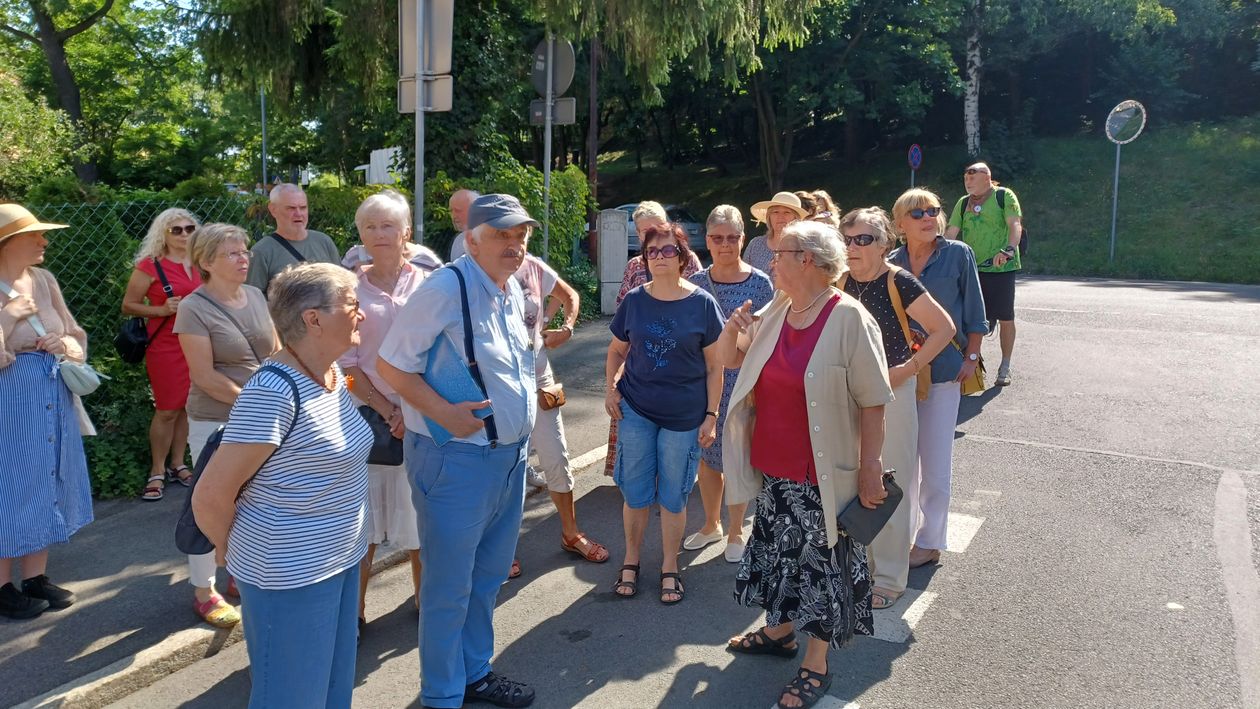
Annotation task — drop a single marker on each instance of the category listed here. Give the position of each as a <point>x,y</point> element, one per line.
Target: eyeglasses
<point>776,253</point>
<point>731,239</point>
<point>972,171</point>
<point>236,255</point>
<point>354,306</point>
<point>669,251</point>
<point>920,213</point>
<point>177,230</point>
<point>859,239</point>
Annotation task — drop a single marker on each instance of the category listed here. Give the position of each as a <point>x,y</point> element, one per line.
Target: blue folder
<point>447,372</point>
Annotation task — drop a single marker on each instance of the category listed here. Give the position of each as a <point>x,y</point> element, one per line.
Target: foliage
<point>35,140</point>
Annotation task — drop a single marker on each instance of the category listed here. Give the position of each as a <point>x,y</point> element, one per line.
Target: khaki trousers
<point>890,552</point>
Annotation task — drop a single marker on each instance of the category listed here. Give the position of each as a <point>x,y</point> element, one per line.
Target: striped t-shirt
<point>301,519</point>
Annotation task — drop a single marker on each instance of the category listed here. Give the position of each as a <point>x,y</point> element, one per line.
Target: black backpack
<point>1001,200</point>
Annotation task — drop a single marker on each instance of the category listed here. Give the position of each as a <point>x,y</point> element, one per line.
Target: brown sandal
<point>515,570</point>
<point>585,548</point>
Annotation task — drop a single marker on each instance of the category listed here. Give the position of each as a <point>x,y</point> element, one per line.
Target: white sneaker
<point>700,541</point>
<point>734,552</point>
<point>534,477</point>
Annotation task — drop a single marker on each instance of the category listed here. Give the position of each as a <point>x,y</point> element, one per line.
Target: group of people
<point>788,374</point>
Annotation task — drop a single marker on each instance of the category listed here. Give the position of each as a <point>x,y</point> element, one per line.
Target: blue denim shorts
<point>654,464</point>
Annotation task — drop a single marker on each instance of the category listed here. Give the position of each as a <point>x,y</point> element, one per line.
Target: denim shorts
<point>654,464</point>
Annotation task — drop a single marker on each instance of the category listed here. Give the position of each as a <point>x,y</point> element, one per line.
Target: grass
<point>1186,196</point>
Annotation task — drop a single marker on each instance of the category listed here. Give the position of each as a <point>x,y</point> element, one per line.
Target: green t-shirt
<point>986,232</point>
<point>269,257</point>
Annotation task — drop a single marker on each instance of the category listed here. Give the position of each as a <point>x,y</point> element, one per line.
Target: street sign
<point>562,64</point>
<point>564,113</point>
<point>915,156</point>
<point>439,92</point>
<point>1124,125</point>
<point>439,26</point>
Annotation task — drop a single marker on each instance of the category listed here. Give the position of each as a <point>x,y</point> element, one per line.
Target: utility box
<point>613,240</point>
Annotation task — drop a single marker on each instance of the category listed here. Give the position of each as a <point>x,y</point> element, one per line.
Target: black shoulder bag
<point>132,340</point>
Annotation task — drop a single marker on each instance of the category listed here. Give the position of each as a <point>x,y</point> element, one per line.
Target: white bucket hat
<point>780,199</point>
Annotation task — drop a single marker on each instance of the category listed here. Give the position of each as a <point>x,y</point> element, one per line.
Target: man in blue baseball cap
<point>470,491</point>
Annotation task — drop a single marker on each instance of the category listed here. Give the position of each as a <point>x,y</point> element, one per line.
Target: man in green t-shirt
<point>291,242</point>
<point>989,220</point>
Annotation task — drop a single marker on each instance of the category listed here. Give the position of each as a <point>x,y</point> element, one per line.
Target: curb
<point>129,675</point>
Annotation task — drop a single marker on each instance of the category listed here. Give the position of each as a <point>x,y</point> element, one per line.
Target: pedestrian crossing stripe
<point>896,624</point>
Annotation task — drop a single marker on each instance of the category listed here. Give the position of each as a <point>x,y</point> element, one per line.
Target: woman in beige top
<point>45,495</point>
<point>225,332</point>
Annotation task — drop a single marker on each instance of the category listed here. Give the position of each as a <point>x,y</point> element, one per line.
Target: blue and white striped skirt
<point>45,495</point>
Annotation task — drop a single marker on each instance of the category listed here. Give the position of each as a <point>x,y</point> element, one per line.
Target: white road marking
<point>588,458</point>
<point>894,628</point>
<point>1098,451</point>
<point>830,702</point>
<point>962,528</point>
<point>1174,606</point>
<point>1232,533</point>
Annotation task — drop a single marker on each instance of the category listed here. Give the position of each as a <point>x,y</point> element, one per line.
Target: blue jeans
<point>469,500</point>
<point>302,642</point>
<point>654,464</point>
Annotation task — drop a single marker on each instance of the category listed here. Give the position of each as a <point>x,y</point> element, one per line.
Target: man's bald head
<point>978,179</point>
<point>459,204</point>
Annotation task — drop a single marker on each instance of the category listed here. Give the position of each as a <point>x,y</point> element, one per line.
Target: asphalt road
<point>1105,541</point>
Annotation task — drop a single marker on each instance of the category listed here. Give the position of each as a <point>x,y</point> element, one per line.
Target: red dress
<point>164,360</point>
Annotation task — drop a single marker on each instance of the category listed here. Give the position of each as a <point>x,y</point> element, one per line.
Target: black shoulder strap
<point>288,247</point>
<point>235,322</point>
<point>297,397</point>
<point>166,288</point>
<point>1001,198</point>
<point>492,432</point>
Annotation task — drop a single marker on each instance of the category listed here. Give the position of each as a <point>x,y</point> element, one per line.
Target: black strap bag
<point>132,340</point>
<point>386,448</point>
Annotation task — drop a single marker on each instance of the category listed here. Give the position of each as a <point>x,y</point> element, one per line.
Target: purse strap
<point>166,288</point>
<point>33,319</point>
<point>895,296</point>
<point>492,432</point>
<point>288,247</point>
<point>234,321</point>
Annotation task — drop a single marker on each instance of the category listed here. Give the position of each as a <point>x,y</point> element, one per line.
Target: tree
<point>35,140</point>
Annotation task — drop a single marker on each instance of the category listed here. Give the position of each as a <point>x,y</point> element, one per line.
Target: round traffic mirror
<point>1125,122</point>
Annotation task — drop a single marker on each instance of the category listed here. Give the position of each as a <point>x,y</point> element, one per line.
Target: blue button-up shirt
<point>950,277</point>
<point>500,342</point>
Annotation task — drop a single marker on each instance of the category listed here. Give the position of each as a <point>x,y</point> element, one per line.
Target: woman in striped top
<point>295,451</point>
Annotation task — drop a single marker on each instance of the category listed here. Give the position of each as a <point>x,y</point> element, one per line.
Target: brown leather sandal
<point>585,548</point>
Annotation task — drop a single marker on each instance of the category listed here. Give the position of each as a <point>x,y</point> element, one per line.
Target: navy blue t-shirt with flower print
<point>664,377</point>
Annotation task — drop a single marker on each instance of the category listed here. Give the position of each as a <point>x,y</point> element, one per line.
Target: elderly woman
<point>39,423</point>
<point>776,213</point>
<point>664,384</point>
<point>285,496</point>
<point>894,298</point>
<point>225,333</point>
<point>731,281</point>
<point>825,209</point>
<point>164,275</point>
<point>948,270</point>
<point>804,433</point>
<point>385,285</point>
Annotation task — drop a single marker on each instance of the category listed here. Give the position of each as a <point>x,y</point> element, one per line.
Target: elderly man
<point>989,220</point>
<point>459,219</point>
<point>468,492</point>
<point>291,242</point>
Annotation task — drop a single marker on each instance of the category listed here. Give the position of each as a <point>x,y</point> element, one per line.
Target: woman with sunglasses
<point>894,297</point>
<point>948,270</point>
<point>664,384</point>
<point>164,275</point>
<point>732,282</point>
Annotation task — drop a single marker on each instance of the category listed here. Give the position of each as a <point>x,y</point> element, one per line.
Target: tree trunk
<point>65,85</point>
<point>774,154</point>
<point>852,138</point>
<point>971,96</point>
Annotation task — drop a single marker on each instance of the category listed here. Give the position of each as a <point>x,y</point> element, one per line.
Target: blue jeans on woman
<point>302,642</point>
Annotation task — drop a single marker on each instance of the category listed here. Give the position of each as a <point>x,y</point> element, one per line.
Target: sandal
<point>759,643</point>
<point>585,548</point>
<point>802,687</point>
<point>882,598</point>
<point>677,590</point>
<point>500,691</point>
<point>515,570</point>
<point>181,475</point>
<point>217,612</point>
<point>632,584</point>
<point>153,488</point>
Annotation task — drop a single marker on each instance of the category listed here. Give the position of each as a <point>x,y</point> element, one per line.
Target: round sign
<point>915,156</point>
<point>562,59</point>
<point>1125,122</point>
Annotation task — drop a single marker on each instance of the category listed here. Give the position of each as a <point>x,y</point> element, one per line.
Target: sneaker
<point>734,552</point>
<point>19,606</point>
<point>535,477</point>
<point>699,540</point>
<point>41,587</point>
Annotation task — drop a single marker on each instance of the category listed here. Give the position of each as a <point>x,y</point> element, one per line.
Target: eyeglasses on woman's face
<point>928,212</point>
<point>182,229</point>
<point>668,251</point>
<point>775,254</point>
<point>242,255</point>
<point>859,239</point>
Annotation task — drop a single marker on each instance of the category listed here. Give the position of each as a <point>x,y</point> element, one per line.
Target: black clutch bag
<point>386,449</point>
<point>863,525</point>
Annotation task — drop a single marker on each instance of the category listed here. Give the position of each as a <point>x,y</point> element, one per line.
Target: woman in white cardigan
<point>803,436</point>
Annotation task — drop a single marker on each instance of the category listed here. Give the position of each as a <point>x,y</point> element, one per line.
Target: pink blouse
<point>52,311</point>
<point>379,310</point>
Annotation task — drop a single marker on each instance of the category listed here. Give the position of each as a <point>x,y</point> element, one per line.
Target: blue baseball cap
<point>501,211</point>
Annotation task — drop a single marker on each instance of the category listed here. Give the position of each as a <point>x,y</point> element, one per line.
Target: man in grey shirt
<point>460,201</point>
<point>291,242</point>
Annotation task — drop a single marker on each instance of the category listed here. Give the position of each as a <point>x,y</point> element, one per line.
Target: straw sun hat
<point>16,219</point>
<point>780,199</point>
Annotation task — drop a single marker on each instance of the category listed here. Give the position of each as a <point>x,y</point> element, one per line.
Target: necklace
<point>811,303</point>
<point>307,371</point>
<point>862,286</point>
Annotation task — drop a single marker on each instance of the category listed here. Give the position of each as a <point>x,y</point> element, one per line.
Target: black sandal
<point>632,585</point>
<point>759,643</point>
<point>500,691</point>
<point>802,687</point>
<point>677,590</point>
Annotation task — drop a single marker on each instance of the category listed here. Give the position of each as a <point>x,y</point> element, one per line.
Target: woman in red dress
<point>163,276</point>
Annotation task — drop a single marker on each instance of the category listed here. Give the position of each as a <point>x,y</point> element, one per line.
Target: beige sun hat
<point>780,199</point>
<point>16,219</point>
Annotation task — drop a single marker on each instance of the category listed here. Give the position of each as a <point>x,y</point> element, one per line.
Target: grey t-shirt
<point>268,257</point>
<point>233,357</point>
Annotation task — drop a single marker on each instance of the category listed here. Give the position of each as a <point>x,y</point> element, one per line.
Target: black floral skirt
<point>788,569</point>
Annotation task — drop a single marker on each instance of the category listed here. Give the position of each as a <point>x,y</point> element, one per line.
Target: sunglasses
<point>972,171</point>
<point>177,230</point>
<point>731,239</point>
<point>859,239</point>
<point>670,251</point>
<point>920,213</point>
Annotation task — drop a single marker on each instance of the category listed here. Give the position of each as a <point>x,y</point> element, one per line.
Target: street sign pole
<point>914,156</point>
<point>551,100</point>
<point>418,231</point>
<point>1115,204</point>
<point>262,100</point>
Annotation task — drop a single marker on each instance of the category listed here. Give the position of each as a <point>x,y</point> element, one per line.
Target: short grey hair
<point>649,209</point>
<point>823,242</point>
<point>386,201</point>
<point>876,217</point>
<point>725,214</point>
<point>207,240</point>
<point>282,188</point>
<point>307,286</point>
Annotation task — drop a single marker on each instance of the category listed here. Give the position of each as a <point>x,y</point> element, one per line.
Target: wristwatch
<point>973,357</point>
<point>1009,250</point>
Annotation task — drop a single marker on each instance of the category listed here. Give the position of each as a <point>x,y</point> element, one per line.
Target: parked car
<point>676,213</point>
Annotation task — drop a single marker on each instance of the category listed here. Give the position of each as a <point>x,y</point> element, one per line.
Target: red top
<point>182,283</point>
<point>780,442</point>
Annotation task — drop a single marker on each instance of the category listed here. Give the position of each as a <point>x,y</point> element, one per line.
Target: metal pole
<point>550,101</point>
<point>1115,203</point>
<point>417,234</point>
<point>912,178</point>
<point>262,101</point>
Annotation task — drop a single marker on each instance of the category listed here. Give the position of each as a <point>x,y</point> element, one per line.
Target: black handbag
<point>132,340</point>
<point>386,448</point>
<point>863,525</point>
